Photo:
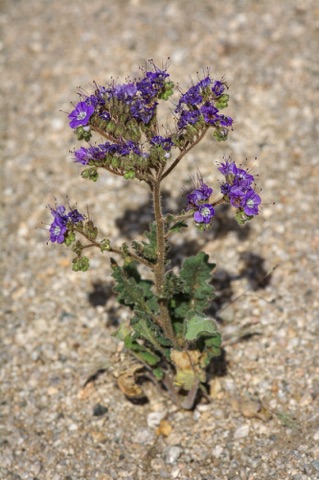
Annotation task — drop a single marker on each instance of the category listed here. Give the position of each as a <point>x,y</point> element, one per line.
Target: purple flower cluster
<point>238,190</point>
<point>139,95</point>
<point>199,102</point>
<point>165,143</point>
<point>58,227</point>
<point>98,153</point>
<point>204,212</point>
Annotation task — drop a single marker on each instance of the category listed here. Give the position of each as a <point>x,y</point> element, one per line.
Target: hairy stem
<point>114,250</point>
<point>159,267</point>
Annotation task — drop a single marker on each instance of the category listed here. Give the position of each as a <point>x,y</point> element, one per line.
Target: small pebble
<point>175,472</point>
<point>154,418</point>
<point>217,451</point>
<point>172,454</point>
<point>143,436</point>
<point>99,410</point>
<point>241,432</point>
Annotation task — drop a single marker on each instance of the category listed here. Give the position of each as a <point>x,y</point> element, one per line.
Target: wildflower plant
<point>169,333</point>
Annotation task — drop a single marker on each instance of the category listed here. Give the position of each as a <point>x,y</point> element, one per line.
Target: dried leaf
<point>127,383</point>
<point>164,428</point>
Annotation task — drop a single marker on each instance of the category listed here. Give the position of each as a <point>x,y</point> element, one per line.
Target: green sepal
<point>105,245</point>
<point>90,173</point>
<point>77,247</point>
<point>220,134</point>
<point>90,230</point>
<point>222,101</point>
<point>69,238</point>
<point>168,91</point>
<point>83,133</point>
<point>129,175</point>
<point>80,264</point>
<point>241,217</point>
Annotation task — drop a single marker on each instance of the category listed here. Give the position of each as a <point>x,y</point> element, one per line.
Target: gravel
<point>56,325</point>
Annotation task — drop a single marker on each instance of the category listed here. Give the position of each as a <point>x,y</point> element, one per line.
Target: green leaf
<point>147,250</point>
<point>198,326</point>
<point>212,348</point>
<point>173,285</point>
<point>122,332</point>
<point>129,291</point>
<point>140,351</point>
<point>178,227</point>
<point>145,329</point>
<point>158,373</point>
<point>197,293</point>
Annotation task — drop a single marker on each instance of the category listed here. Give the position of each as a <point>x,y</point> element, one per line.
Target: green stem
<point>114,250</point>
<point>159,268</point>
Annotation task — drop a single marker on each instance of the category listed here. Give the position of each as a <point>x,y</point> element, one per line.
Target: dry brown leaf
<point>164,428</point>
<point>127,383</point>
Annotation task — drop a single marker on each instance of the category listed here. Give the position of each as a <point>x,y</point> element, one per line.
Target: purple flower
<point>242,177</point>
<point>225,121</point>
<point>210,113</point>
<point>105,116</point>
<point>251,202</point>
<point>95,99</point>
<point>191,98</point>
<point>225,188</point>
<point>58,227</point>
<point>85,155</point>
<point>125,92</point>
<point>57,231</point>
<point>59,214</point>
<point>188,118</point>
<point>236,196</point>
<point>227,168</point>
<point>81,115</point>
<point>218,88</point>
<point>75,216</point>
<point>165,143</point>
<point>142,111</point>
<point>204,214</point>
<point>205,82</point>
<point>199,195</point>
<point>152,83</point>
